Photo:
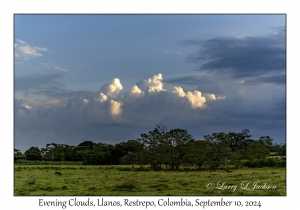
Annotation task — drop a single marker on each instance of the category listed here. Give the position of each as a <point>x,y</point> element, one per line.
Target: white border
<point>8,8</point>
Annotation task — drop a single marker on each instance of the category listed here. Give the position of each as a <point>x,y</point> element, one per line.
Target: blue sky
<point>110,78</point>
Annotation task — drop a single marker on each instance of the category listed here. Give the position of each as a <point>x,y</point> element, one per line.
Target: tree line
<point>162,147</point>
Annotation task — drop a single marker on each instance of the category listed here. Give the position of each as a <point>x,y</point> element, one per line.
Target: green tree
<point>152,145</point>
<point>175,147</point>
<point>162,146</point>
<point>197,152</point>
<point>239,141</point>
<point>267,141</point>
<point>220,151</point>
<point>89,144</point>
<point>257,151</point>
<point>33,153</point>
<point>18,155</point>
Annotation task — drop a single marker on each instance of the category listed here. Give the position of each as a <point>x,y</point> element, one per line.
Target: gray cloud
<point>37,81</point>
<point>85,116</point>
<point>241,57</point>
<point>91,115</point>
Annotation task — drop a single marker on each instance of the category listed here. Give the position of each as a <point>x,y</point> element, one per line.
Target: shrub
<point>270,162</point>
<point>281,163</point>
<point>267,162</point>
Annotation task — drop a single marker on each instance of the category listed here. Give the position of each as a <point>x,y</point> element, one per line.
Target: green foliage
<point>160,146</point>
<point>33,153</point>
<point>198,152</point>
<point>18,155</point>
<point>257,150</point>
<point>161,149</point>
<point>267,162</point>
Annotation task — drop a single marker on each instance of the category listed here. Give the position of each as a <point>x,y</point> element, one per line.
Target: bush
<point>267,162</point>
<point>270,162</point>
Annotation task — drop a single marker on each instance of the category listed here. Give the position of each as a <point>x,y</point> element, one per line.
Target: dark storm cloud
<point>241,57</point>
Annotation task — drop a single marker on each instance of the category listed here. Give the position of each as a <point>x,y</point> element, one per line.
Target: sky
<point>109,78</point>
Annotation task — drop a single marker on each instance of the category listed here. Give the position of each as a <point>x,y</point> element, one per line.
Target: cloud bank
<point>145,104</point>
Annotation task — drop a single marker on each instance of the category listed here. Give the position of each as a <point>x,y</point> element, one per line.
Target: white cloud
<point>210,97</point>
<point>102,97</point>
<point>115,107</point>
<point>179,91</point>
<point>24,50</point>
<point>135,92</point>
<point>196,99</point>
<point>113,89</point>
<point>152,84</point>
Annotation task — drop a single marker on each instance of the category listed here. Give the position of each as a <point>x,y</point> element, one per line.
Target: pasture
<point>80,180</point>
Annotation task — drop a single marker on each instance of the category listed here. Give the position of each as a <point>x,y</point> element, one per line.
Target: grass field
<point>41,180</point>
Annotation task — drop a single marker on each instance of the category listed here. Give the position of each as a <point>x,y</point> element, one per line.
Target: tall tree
<point>162,146</point>
<point>33,153</point>
<point>176,146</point>
<point>152,146</point>
<point>221,151</point>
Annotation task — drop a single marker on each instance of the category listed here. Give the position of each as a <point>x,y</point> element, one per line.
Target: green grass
<point>110,181</point>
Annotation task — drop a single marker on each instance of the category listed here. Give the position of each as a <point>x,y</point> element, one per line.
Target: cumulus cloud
<point>109,93</point>
<point>179,91</point>
<point>113,89</point>
<point>134,93</point>
<point>26,51</point>
<point>212,97</point>
<point>102,97</point>
<point>152,84</point>
<point>195,98</point>
<point>115,107</point>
